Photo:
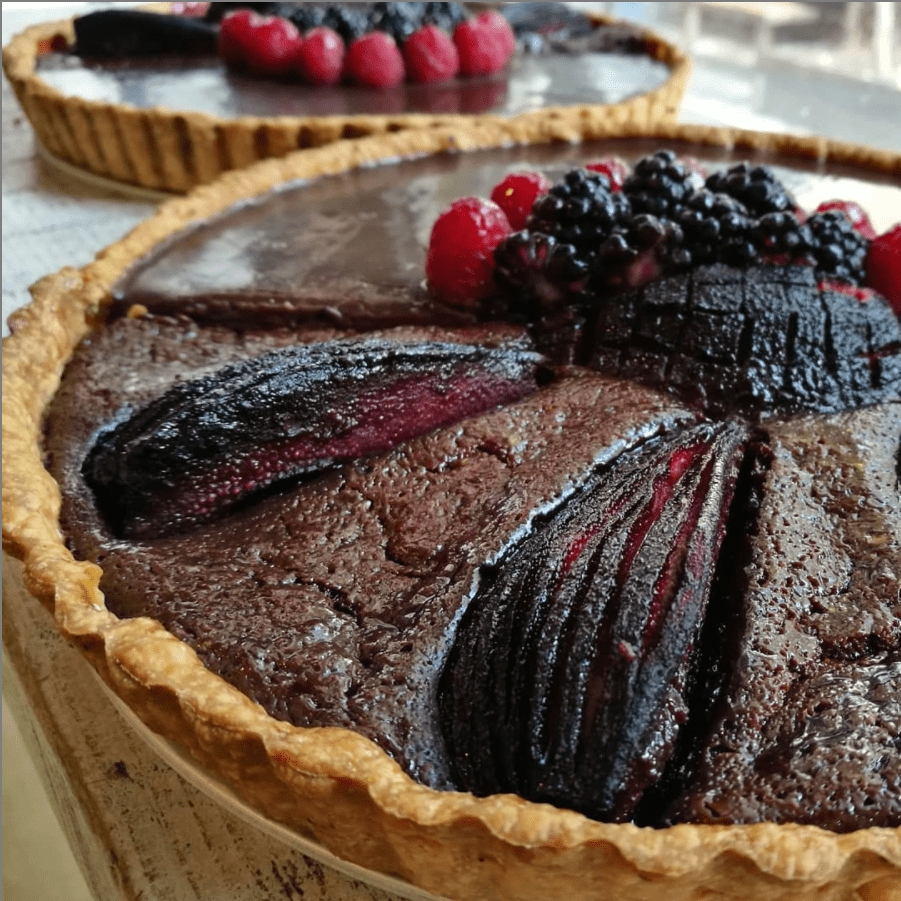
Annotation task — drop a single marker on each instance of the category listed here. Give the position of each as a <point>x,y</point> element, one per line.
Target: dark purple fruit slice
<point>204,446</point>
<point>568,676</point>
<point>120,33</point>
<point>755,341</point>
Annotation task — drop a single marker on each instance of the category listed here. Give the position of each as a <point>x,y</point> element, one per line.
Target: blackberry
<point>641,248</point>
<point>536,273</point>
<point>445,15</point>
<point>837,249</point>
<point>216,12</point>
<point>782,233</point>
<point>755,186</point>
<point>304,16</point>
<point>349,22</point>
<point>580,210</point>
<point>659,185</point>
<point>399,20</point>
<point>718,229</point>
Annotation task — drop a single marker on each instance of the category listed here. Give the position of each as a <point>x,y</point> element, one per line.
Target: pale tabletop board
<point>138,830</point>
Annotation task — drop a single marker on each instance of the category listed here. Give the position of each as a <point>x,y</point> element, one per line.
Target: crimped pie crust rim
<point>173,150</point>
<point>334,783</point>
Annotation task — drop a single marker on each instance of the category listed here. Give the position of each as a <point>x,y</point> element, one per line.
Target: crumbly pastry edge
<point>173,151</point>
<point>333,784</point>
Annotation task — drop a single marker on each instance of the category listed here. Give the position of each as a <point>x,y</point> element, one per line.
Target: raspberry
<point>483,46</point>
<point>271,47</point>
<point>460,260</point>
<point>234,36</point>
<point>430,55</point>
<point>501,30</point>
<point>614,168</point>
<point>321,56</point>
<point>516,194</point>
<point>855,212</point>
<point>883,267</point>
<point>375,60</point>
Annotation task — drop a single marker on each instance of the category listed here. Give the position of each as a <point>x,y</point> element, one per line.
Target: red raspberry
<point>320,57</point>
<point>375,60</point>
<point>234,36</point>
<point>272,46</point>
<point>516,194</point>
<point>430,55</point>
<point>483,45</point>
<point>614,168</point>
<point>501,29</point>
<point>855,212</point>
<point>884,266</point>
<point>460,261</point>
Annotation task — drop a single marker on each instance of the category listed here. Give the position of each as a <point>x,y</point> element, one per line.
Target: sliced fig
<point>206,445</point>
<point>760,340</point>
<point>568,675</point>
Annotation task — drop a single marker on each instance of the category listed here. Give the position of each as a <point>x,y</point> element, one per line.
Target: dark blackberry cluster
<point>782,234</point>
<point>539,271</point>
<point>399,20</point>
<point>641,244</point>
<point>584,240</point>
<point>444,15</point>
<point>718,228</point>
<point>754,186</point>
<point>580,210</point>
<point>353,20</point>
<point>659,185</point>
<point>838,250</point>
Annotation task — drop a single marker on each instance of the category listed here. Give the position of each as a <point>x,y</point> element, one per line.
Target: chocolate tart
<point>130,121</point>
<point>331,782</point>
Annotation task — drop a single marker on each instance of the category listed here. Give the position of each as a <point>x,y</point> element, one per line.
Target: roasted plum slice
<point>765,339</point>
<point>569,674</point>
<point>207,445</point>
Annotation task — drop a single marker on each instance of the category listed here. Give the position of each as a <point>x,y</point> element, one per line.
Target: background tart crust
<point>332,783</point>
<point>172,150</point>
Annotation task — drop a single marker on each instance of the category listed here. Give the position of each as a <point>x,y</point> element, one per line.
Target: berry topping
<point>855,212</point>
<point>321,56</point>
<point>659,185</point>
<point>460,262</point>
<point>483,44</point>
<point>272,47</point>
<point>883,267</point>
<point>538,271</point>
<point>517,193</point>
<point>614,168</point>
<point>235,36</point>
<point>717,228</point>
<point>755,186</point>
<point>430,55</point>
<point>375,60</point>
<point>838,249</point>
<point>580,210</point>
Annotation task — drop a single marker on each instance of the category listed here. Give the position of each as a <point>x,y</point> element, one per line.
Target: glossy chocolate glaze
<point>280,598</point>
<point>204,84</point>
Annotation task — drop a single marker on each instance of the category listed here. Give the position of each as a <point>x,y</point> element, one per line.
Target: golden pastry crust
<point>332,783</point>
<point>171,150</point>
